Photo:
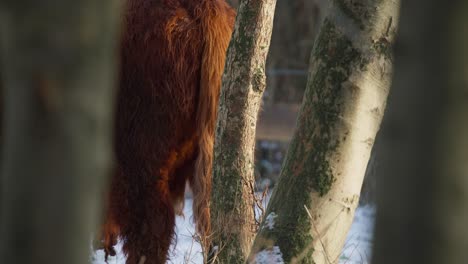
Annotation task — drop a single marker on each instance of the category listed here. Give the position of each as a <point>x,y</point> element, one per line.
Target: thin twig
<point>319,238</point>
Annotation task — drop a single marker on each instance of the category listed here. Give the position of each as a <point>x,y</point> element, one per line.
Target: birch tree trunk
<point>232,206</point>
<point>423,196</point>
<point>313,205</point>
<point>59,70</point>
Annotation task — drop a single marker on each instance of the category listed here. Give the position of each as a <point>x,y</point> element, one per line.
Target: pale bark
<point>313,205</point>
<point>59,71</point>
<point>232,206</point>
<point>423,193</point>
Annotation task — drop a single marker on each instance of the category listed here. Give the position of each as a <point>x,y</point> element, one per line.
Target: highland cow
<point>172,55</point>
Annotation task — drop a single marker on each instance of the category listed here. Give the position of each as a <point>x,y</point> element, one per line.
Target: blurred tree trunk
<point>423,196</point>
<point>232,207</point>
<point>313,205</point>
<point>59,59</point>
<point>2,104</point>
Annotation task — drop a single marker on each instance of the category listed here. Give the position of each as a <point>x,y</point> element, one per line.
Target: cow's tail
<point>217,20</point>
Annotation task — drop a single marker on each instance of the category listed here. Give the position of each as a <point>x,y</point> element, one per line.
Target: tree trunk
<point>232,207</point>
<point>423,196</point>
<point>2,105</point>
<point>59,73</point>
<point>313,205</point>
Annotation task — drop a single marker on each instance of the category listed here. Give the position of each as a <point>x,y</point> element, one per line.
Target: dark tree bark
<point>59,69</point>
<point>423,192</point>
<point>232,206</point>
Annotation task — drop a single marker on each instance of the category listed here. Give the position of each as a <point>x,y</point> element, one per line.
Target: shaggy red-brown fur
<point>172,59</point>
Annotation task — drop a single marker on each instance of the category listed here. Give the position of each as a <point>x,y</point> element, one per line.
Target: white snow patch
<point>358,245</point>
<point>270,220</point>
<point>215,249</point>
<point>186,250</point>
<point>269,256</point>
<point>357,249</point>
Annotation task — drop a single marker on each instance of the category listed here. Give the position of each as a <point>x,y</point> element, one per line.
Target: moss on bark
<point>307,163</point>
<point>233,179</point>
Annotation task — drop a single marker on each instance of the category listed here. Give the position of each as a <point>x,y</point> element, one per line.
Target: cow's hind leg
<point>157,223</point>
<point>155,231</point>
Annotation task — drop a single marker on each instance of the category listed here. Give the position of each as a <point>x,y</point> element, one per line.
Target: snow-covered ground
<point>358,246</point>
<point>357,249</point>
